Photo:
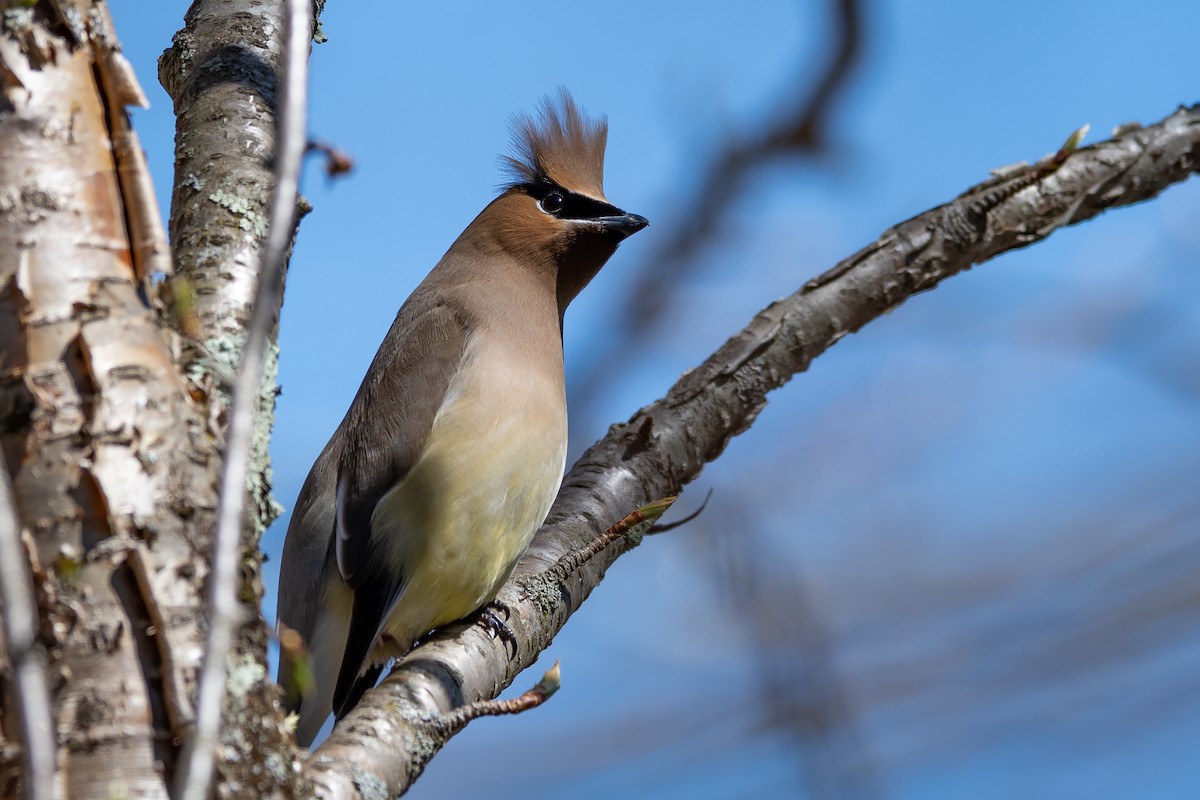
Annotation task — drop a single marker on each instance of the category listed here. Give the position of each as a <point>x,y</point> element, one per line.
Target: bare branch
<point>195,775</point>
<point>221,71</point>
<point>542,691</point>
<point>633,526</point>
<point>20,625</point>
<point>385,741</point>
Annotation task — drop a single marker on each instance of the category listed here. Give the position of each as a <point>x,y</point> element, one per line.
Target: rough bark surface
<point>220,72</point>
<point>112,463</point>
<point>112,444</point>
<point>383,745</point>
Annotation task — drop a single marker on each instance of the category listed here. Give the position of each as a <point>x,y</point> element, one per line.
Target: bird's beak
<point>623,225</point>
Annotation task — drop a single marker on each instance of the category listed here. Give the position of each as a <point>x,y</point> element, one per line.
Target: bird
<point>453,449</point>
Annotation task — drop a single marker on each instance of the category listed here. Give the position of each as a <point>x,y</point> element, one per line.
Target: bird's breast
<point>483,484</point>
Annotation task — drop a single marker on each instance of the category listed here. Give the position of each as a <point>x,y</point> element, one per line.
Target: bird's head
<point>553,214</point>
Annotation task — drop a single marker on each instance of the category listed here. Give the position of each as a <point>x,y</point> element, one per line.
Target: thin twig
<point>540,693</point>
<point>658,528</point>
<point>195,773</point>
<point>20,623</point>
<point>337,161</point>
<point>632,526</point>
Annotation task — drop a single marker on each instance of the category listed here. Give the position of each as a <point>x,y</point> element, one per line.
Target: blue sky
<point>976,493</point>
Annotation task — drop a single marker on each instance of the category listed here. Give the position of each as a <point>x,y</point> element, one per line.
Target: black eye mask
<point>558,202</point>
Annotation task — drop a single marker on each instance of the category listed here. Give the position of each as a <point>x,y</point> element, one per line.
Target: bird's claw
<point>489,618</point>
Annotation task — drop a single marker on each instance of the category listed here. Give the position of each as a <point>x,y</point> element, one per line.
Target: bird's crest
<point>561,144</point>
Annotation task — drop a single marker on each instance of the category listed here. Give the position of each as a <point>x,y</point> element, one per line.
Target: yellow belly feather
<point>470,505</point>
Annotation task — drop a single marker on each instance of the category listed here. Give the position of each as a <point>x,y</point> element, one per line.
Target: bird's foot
<point>489,618</point>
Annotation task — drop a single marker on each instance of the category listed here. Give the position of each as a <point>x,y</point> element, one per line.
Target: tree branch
<point>221,74</point>
<point>195,775</point>
<point>384,743</point>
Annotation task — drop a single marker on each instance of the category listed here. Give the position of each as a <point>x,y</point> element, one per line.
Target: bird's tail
<point>312,698</point>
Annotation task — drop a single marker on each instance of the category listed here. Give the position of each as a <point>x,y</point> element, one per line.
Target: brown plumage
<point>559,144</point>
<point>452,450</point>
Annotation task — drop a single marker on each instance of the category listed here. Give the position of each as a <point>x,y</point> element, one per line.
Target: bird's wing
<point>302,569</point>
<point>402,392</point>
<point>387,425</point>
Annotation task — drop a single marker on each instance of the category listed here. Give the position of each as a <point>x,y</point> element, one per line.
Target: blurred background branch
<point>801,129</point>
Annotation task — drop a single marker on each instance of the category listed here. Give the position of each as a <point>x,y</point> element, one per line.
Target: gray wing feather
<point>387,425</point>
<point>302,567</point>
<point>382,437</point>
<point>376,444</point>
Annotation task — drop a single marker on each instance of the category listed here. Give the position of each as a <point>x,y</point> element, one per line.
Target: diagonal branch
<point>386,741</point>
<point>801,131</point>
<point>195,774</point>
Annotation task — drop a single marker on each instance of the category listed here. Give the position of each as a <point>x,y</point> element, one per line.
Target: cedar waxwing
<point>448,460</point>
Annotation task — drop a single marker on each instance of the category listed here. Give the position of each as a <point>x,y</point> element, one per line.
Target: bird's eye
<point>552,203</point>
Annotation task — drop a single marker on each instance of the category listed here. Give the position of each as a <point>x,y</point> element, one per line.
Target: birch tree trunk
<point>114,423</point>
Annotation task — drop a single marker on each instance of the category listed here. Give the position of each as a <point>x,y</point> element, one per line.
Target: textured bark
<point>148,242</point>
<point>220,72</point>
<point>112,464</point>
<point>383,745</point>
<point>112,448</point>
